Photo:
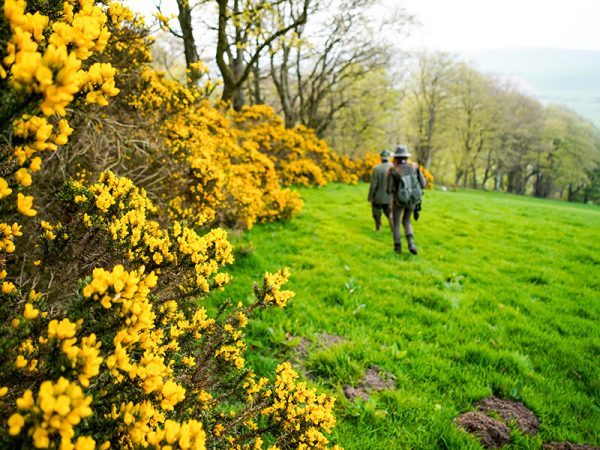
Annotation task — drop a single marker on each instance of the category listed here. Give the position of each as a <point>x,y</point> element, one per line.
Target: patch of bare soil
<point>324,340</point>
<point>491,432</point>
<point>352,392</point>
<point>302,347</point>
<point>375,380</point>
<point>509,410</point>
<point>568,446</point>
<point>328,340</point>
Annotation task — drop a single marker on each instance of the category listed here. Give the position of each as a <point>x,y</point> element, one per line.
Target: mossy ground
<point>503,299</point>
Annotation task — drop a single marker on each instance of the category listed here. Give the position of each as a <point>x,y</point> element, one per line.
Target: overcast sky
<point>456,25</point>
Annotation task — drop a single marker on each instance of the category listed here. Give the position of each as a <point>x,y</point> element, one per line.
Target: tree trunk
<point>189,43</point>
<point>258,100</point>
<point>459,175</point>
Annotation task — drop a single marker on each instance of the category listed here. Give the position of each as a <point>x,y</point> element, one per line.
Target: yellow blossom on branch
<point>25,205</point>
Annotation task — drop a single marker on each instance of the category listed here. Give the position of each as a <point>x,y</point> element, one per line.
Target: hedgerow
<point>105,260</point>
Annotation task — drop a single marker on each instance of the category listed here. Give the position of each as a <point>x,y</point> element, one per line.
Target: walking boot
<point>411,244</point>
<point>398,247</point>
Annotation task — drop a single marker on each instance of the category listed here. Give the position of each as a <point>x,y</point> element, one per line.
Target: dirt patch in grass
<point>375,380</point>
<point>324,340</point>
<point>303,347</point>
<point>494,433</point>
<point>328,340</point>
<point>491,432</point>
<point>352,393</point>
<point>568,446</point>
<point>511,411</point>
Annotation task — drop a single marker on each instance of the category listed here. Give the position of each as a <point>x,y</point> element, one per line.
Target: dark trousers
<point>376,209</point>
<point>401,215</point>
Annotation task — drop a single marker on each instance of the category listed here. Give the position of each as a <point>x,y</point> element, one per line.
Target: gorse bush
<point>103,338</point>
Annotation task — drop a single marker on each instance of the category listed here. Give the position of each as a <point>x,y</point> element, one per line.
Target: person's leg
<point>396,212</point>
<point>408,231</point>
<point>376,211</point>
<point>387,212</point>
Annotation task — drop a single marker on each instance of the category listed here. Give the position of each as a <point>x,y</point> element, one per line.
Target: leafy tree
<point>427,93</point>
<point>370,123</point>
<point>244,30</point>
<point>315,70</point>
<point>471,122</point>
<point>571,154</point>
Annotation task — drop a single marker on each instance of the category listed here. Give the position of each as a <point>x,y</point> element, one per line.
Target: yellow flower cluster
<point>123,210</point>
<point>8,234</point>
<point>85,357</point>
<point>57,409</point>
<point>27,350</point>
<point>161,370</point>
<point>43,64</point>
<point>119,14</point>
<point>272,293</point>
<point>217,173</point>
<point>298,407</point>
<point>53,69</point>
<point>129,291</point>
<point>141,423</point>
<point>428,177</point>
<point>299,156</point>
<point>188,435</point>
<point>99,83</point>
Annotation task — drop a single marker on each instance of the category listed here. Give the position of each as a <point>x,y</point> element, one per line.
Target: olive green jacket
<point>377,190</point>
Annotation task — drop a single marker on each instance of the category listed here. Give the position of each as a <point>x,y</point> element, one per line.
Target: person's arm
<point>372,187</point>
<point>421,178</point>
<point>389,188</point>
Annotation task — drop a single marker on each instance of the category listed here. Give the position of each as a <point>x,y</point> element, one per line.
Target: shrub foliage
<point>106,258</point>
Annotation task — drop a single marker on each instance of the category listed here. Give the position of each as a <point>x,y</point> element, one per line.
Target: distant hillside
<point>569,77</point>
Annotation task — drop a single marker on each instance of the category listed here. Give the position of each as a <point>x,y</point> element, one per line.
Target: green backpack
<point>409,191</point>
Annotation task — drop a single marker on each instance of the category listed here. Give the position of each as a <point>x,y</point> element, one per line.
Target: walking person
<point>405,184</point>
<point>378,196</point>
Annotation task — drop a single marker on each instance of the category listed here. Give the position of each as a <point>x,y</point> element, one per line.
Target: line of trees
<point>332,66</point>
<point>477,131</point>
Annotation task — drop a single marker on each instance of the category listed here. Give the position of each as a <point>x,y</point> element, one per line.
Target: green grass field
<point>503,299</point>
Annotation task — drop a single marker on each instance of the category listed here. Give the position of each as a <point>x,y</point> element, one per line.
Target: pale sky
<point>455,25</point>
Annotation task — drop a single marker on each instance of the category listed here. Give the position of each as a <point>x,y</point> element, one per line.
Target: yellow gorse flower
<point>25,205</point>
<point>7,235</point>
<point>30,312</point>
<point>58,408</point>
<point>5,191</point>
<point>65,329</point>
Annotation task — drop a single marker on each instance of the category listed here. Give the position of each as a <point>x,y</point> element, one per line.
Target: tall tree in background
<point>571,153</point>
<point>186,34</point>
<point>244,30</point>
<point>469,121</point>
<point>370,122</point>
<point>315,71</point>
<point>244,34</point>
<point>426,97</point>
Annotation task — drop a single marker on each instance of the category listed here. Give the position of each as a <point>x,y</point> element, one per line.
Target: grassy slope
<point>503,299</point>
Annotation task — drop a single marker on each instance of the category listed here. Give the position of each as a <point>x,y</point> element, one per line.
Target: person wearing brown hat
<point>405,184</point>
<point>378,196</point>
